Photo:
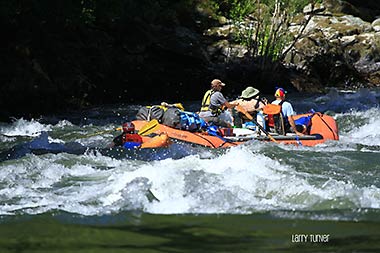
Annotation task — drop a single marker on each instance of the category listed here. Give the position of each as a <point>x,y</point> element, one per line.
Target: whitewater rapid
<point>254,177</point>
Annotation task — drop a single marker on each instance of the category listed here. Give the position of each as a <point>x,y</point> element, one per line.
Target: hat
<point>249,92</point>
<point>216,82</point>
<point>280,92</point>
<point>128,127</point>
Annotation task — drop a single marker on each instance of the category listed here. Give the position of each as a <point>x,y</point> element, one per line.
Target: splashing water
<point>88,179</point>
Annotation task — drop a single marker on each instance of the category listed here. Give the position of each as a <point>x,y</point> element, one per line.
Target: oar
<point>149,127</point>
<point>249,116</point>
<point>102,132</point>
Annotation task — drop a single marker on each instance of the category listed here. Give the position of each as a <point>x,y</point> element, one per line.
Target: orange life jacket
<point>275,118</point>
<point>270,110</point>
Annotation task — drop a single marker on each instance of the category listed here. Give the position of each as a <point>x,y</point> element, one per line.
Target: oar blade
<point>242,110</point>
<point>149,127</point>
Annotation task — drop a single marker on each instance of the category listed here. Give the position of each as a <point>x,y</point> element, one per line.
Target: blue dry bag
<point>191,121</point>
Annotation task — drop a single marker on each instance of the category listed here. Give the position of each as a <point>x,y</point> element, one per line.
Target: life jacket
<point>206,100</point>
<point>131,141</point>
<point>132,138</point>
<point>215,110</point>
<point>207,106</point>
<point>275,118</point>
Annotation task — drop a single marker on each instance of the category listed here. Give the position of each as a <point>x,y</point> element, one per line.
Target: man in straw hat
<point>213,104</point>
<point>251,102</point>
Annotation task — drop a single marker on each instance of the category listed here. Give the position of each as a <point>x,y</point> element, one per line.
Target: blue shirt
<point>286,108</point>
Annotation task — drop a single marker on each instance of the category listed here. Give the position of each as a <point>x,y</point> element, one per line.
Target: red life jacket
<point>132,138</point>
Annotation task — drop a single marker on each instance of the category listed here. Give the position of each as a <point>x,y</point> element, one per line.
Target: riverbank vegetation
<point>61,54</point>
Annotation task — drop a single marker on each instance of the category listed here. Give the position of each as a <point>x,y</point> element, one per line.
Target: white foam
<point>252,182</point>
<point>363,128</point>
<point>23,127</point>
<point>64,123</point>
<point>239,180</point>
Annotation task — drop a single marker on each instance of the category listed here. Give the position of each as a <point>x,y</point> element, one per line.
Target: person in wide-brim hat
<point>249,93</point>
<point>249,100</point>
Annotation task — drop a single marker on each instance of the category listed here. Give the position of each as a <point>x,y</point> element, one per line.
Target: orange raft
<point>158,141</point>
<point>323,128</point>
<point>191,137</point>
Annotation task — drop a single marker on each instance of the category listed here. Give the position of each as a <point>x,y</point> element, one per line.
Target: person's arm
<point>230,105</point>
<point>261,105</point>
<point>293,125</point>
<point>117,141</point>
<point>223,101</point>
<point>290,112</point>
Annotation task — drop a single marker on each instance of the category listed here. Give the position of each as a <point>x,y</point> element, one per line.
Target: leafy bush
<point>262,24</point>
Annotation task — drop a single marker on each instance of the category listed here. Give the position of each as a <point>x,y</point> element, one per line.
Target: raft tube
<point>159,141</point>
<point>323,128</point>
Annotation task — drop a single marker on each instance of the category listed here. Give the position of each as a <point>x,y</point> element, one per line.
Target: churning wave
<point>72,172</point>
<point>239,181</point>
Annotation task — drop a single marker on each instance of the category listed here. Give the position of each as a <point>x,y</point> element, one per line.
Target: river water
<point>63,190</point>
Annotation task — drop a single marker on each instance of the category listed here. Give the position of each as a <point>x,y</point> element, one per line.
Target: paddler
<point>129,138</point>
<point>214,103</point>
<point>251,102</point>
<point>287,113</point>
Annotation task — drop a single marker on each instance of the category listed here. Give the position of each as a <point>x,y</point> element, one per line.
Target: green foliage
<point>88,11</point>
<point>265,32</point>
<point>240,9</point>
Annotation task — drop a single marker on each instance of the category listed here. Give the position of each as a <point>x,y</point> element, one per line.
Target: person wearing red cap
<point>128,139</point>
<point>287,111</point>
<point>213,104</point>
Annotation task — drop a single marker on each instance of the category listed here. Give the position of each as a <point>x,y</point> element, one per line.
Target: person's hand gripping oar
<point>241,109</point>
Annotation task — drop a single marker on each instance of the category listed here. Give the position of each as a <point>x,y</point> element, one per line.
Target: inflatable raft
<point>323,128</point>
<point>159,141</point>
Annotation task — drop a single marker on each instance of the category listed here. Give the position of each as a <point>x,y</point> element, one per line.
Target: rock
<point>337,49</point>
<point>340,7</point>
<point>376,25</point>
<point>222,32</point>
<point>312,9</point>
